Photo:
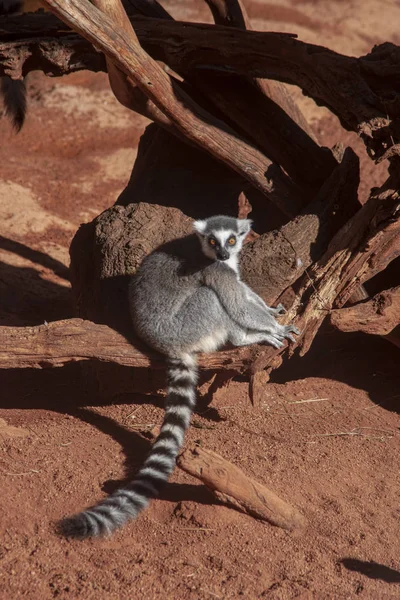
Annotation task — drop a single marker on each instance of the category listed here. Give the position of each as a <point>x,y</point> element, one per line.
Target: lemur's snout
<point>222,254</point>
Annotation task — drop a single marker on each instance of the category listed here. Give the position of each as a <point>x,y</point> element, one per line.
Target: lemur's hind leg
<point>202,322</point>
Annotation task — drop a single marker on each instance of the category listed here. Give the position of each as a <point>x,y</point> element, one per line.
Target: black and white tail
<point>126,503</point>
<point>14,98</point>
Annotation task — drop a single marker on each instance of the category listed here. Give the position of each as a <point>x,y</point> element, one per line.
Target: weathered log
<point>352,88</point>
<point>232,487</point>
<point>60,342</point>
<point>195,123</point>
<point>341,83</point>
<point>123,87</point>
<point>281,132</point>
<point>378,316</point>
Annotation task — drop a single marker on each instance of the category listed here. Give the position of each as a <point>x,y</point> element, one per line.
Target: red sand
<point>326,437</point>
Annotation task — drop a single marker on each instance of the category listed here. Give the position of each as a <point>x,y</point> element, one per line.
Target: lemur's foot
<point>285,333</point>
<point>289,329</point>
<point>279,335</point>
<point>275,341</point>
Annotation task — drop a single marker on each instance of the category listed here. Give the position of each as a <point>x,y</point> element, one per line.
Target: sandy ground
<point>325,438</point>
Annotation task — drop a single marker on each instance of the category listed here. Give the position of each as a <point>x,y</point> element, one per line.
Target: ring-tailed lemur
<point>13,90</point>
<point>187,297</point>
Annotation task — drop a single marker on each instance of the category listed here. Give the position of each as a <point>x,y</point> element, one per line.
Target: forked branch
<point>352,88</point>
<point>195,123</point>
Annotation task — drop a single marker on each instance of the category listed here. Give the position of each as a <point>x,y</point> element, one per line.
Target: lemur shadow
<point>371,569</point>
<point>51,389</point>
<point>362,361</point>
<point>26,297</point>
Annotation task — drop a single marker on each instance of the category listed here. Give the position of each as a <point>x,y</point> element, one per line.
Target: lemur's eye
<point>232,241</point>
<point>212,242</point>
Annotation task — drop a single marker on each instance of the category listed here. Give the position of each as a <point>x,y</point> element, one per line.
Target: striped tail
<point>14,97</point>
<point>126,503</point>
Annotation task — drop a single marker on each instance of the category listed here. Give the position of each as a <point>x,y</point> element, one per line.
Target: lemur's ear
<point>200,226</point>
<point>244,226</point>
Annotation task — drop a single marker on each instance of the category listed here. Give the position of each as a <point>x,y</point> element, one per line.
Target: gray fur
<point>13,90</point>
<point>184,301</point>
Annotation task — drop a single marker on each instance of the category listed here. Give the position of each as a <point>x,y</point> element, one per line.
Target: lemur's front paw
<point>280,309</point>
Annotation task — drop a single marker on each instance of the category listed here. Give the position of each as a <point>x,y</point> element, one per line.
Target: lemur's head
<point>222,237</point>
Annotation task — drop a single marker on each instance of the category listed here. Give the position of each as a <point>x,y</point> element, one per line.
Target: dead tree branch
<point>378,316</point>
<point>126,92</point>
<point>276,259</point>
<point>232,487</point>
<point>362,247</point>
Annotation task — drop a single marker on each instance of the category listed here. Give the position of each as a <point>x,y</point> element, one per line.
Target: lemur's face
<point>221,237</point>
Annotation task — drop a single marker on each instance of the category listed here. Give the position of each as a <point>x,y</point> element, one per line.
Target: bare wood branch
<point>278,134</point>
<point>346,263</point>
<point>232,487</point>
<point>118,81</point>
<point>378,316</point>
<point>322,74</point>
<point>191,120</point>
<point>147,8</point>
<point>330,281</point>
<point>71,340</point>
<point>125,90</point>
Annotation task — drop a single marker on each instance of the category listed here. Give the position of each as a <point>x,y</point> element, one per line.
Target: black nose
<point>222,255</point>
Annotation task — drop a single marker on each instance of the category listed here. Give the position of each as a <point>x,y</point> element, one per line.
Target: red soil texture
<point>325,437</point>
